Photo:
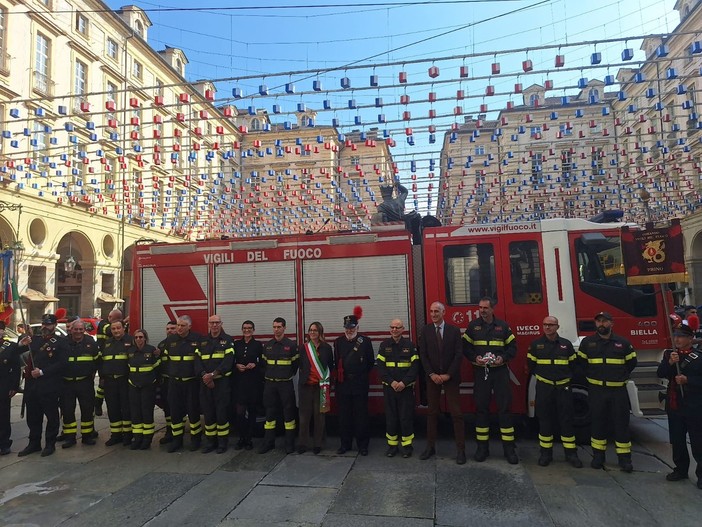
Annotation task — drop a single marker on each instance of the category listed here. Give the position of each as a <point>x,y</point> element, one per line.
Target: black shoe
<point>240,444</point>
<point>407,451</point>
<point>341,450</point>
<point>165,439</point>
<point>248,445</point>
<point>29,449</point>
<point>98,409</point>
<point>676,476</point>
<point>113,440</point>
<point>392,451</point>
<point>316,450</point>
<point>195,443</point>
<point>265,448</point>
<point>482,452</point>
<point>210,446</point>
<point>573,459</point>
<point>510,453</point>
<point>363,451</point>
<point>546,457</point>
<point>461,457</point>
<point>625,463</point>
<point>4,450</point>
<point>176,444</point>
<point>48,450</point>
<point>301,450</point>
<point>61,437</point>
<point>428,452</point>
<point>136,443</point>
<point>88,440</point>
<point>68,443</point>
<point>598,460</point>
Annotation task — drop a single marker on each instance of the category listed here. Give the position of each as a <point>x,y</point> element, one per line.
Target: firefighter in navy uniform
<point>608,360</point>
<point>183,384</point>
<point>114,373</point>
<point>489,345</point>
<point>144,362</point>
<point>162,388</point>
<point>79,385</point>
<point>43,374</point>
<point>353,359</point>
<point>213,362</point>
<point>10,371</point>
<point>398,366</point>
<point>550,359</point>
<point>104,333</point>
<point>682,366</point>
<point>280,361</point>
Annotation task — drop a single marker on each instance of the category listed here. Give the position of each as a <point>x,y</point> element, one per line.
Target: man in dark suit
<point>441,352</point>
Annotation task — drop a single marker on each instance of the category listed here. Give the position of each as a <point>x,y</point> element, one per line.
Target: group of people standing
<point>225,380</point>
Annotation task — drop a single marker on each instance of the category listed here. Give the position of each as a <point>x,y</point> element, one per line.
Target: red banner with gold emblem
<point>654,256</point>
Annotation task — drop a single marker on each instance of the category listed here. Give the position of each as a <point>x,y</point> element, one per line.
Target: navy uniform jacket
<point>10,369</point>
<point>50,355</point>
<point>355,359</point>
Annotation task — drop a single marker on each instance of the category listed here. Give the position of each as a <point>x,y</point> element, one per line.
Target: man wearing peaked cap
<point>608,361</point>
<point>48,358</point>
<point>353,359</point>
<point>682,366</point>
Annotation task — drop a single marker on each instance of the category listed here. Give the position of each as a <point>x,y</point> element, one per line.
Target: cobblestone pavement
<point>101,486</point>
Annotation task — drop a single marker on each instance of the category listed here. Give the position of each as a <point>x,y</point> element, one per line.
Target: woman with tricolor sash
<point>316,363</point>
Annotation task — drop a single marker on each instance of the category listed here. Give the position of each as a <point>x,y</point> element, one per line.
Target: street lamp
<point>645,197</point>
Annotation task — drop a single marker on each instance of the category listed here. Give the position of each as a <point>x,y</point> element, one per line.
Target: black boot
<point>546,457</point>
<point>571,455</point>
<point>166,438</point>
<point>49,449</point>
<point>30,449</point>
<point>195,442</point>
<point>289,441</point>
<point>625,463</point>
<point>482,452</point>
<point>115,439</point>
<point>510,452</point>
<point>88,439</point>
<point>126,438</point>
<point>176,444</point>
<point>146,441</point>
<point>222,444</point>
<point>69,441</point>
<point>241,443</point>
<point>210,445</point>
<point>268,442</point>
<point>598,459</point>
<point>136,442</point>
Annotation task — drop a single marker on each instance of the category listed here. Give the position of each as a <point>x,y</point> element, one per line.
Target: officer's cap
<point>49,318</point>
<point>350,321</point>
<point>683,331</point>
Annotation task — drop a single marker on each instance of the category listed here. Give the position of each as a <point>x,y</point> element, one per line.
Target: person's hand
<point>399,386</point>
<point>674,357</point>
<point>241,367</point>
<point>499,361</point>
<point>436,378</point>
<point>479,359</point>
<point>36,373</point>
<point>681,379</point>
<point>25,341</point>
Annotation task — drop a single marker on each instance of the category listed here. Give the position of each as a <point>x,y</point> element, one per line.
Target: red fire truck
<point>570,268</point>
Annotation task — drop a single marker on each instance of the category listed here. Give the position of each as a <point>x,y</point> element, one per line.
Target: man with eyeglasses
<point>183,387</point>
<point>248,383</point>
<point>214,360</point>
<point>550,359</point>
<point>280,361</point>
<point>398,365</point>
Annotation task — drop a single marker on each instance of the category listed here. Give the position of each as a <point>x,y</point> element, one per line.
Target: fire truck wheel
<point>581,414</point>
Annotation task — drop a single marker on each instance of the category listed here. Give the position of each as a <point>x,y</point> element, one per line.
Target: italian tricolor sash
<point>323,374</point>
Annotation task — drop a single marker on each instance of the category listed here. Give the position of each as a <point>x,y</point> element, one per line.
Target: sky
<point>245,45</point>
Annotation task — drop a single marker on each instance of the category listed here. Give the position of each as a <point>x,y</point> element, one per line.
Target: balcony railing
<point>43,84</point>
<point>4,63</point>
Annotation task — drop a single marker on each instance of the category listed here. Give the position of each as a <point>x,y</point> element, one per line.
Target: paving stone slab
<point>138,502</point>
<point>310,471</point>
<point>251,460</point>
<point>269,504</point>
<point>383,493</point>
<point>257,523</point>
<point>356,520</point>
<point>492,492</point>
<point>186,462</point>
<point>29,470</point>
<point>208,502</point>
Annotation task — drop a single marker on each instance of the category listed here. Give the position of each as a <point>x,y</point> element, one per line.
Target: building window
<point>112,49</point>
<point>4,58</point>
<point>536,166</point>
<point>565,129</point>
<point>179,66</point>
<point>42,64</point>
<point>139,28</point>
<point>111,95</point>
<point>82,24</point>
<point>534,99</point>
<point>80,82</point>
<point>38,141</point>
<point>355,160</point>
<point>596,162</point>
<point>480,150</point>
<point>159,87</point>
<point>566,165</point>
<point>137,70</point>
<point>593,95</point>
<point>255,124</point>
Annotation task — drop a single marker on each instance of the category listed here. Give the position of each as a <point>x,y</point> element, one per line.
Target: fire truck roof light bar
<point>349,239</point>
<point>173,249</point>
<point>253,244</point>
